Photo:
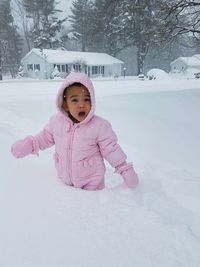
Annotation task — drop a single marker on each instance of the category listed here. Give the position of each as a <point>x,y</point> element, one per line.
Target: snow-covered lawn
<point>44,223</point>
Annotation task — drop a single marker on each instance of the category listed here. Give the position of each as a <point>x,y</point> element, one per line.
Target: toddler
<point>82,140</point>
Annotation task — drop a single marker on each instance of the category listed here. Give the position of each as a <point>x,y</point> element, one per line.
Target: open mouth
<point>81,114</point>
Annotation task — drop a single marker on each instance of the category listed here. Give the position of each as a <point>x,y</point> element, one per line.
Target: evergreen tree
<point>81,22</point>
<point>92,23</point>
<point>115,35</point>
<point>139,23</point>
<point>23,22</point>
<point>118,24</point>
<point>98,25</point>
<point>114,25</point>
<point>104,21</point>
<point>45,23</point>
<point>10,40</point>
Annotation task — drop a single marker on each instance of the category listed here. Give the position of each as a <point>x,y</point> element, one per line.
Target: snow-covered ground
<point>44,223</point>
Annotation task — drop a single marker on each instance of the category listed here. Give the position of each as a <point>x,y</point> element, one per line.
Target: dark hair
<point>71,85</point>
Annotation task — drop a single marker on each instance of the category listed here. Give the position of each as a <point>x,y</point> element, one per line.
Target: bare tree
<point>183,17</point>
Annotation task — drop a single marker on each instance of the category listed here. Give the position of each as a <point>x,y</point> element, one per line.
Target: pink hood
<point>76,78</point>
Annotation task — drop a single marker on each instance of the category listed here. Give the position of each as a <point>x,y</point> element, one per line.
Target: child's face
<point>77,103</point>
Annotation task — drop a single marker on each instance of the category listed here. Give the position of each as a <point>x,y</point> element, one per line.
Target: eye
<point>87,99</point>
<point>74,100</point>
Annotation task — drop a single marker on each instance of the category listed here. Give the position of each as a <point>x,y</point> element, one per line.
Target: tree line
<point>151,28</point>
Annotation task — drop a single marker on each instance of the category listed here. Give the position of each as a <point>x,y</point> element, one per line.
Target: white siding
<point>33,60</point>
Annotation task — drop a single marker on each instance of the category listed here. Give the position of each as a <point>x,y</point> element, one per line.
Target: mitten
<point>24,147</point>
<point>128,173</point>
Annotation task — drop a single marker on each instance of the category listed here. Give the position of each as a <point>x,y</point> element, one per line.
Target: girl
<point>82,140</point>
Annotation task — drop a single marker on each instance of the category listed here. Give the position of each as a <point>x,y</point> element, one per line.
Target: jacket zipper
<point>70,154</point>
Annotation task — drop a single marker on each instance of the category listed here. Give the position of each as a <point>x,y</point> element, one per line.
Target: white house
<point>41,63</point>
<point>186,65</point>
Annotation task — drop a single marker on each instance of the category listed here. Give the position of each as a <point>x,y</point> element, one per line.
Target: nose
<point>81,103</point>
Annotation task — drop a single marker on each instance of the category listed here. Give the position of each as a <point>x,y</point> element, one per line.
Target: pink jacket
<point>80,148</point>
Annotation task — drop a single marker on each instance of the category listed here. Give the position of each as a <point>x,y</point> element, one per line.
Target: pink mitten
<point>24,147</point>
<point>128,173</point>
<point>130,178</point>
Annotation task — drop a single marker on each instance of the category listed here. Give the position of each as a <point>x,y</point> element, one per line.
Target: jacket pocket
<point>58,164</point>
<point>87,167</point>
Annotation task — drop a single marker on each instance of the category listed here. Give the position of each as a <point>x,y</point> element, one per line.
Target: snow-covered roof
<point>191,71</point>
<point>63,57</point>
<point>197,56</point>
<point>189,61</point>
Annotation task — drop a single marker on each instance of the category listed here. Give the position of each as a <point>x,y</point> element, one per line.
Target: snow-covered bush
<point>20,73</point>
<point>55,73</point>
<point>157,74</point>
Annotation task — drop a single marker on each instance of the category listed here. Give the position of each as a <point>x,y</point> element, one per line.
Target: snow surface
<point>45,223</point>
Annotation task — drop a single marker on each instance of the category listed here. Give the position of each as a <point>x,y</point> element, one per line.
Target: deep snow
<point>45,223</point>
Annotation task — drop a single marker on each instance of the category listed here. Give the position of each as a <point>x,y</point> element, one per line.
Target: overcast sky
<point>65,5</point>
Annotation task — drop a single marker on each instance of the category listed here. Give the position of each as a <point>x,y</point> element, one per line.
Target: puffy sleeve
<point>110,149</point>
<point>45,138</point>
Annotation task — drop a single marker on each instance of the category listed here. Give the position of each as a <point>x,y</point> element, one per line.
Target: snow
<point>46,223</point>
<point>197,56</point>
<point>193,61</point>
<point>157,74</point>
<point>190,72</point>
<point>61,56</point>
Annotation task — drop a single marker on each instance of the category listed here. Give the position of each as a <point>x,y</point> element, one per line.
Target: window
<point>88,71</point>
<point>58,66</point>
<point>102,70</point>
<point>30,66</point>
<point>77,67</point>
<point>37,67</point>
<point>94,70</point>
<point>67,69</point>
<point>63,68</point>
<point>98,70</point>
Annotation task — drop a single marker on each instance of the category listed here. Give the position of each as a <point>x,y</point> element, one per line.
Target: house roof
<point>197,56</point>
<point>63,57</point>
<point>189,61</point>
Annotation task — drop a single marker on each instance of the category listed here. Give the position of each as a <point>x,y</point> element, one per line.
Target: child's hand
<point>130,178</point>
<point>23,147</point>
